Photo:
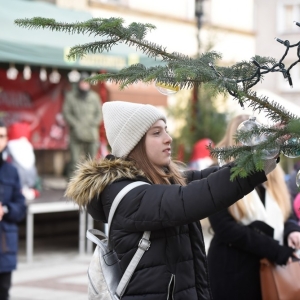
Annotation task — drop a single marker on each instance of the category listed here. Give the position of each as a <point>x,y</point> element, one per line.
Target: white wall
<point>232,13</point>
<point>175,35</point>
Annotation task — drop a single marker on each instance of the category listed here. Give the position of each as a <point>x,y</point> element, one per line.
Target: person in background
<point>20,153</point>
<point>170,205</point>
<point>200,158</point>
<point>257,226</point>
<point>291,182</point>
<point>296,207</point>
<point>12,211</point>
<point>82,112</point>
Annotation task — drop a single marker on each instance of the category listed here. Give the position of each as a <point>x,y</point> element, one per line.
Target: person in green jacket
<point>82,112</point>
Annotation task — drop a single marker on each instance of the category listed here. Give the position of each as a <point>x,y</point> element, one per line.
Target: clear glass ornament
<point>166,89</point>
<point>271,151</point>
<point>292,141</point>
<point>249,125</point>
<point>255,140</point>
<point>221,162</point>
<point>298,179</point>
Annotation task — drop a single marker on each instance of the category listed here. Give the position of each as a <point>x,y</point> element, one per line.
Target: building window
<point>288,13</point>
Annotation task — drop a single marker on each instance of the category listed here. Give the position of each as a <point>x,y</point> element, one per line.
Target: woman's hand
<point>294,240</point>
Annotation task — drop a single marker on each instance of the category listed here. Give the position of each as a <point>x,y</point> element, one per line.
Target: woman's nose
<point>169,139</point>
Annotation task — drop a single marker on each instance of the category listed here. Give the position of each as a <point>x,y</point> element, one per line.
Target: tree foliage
<point>186,72</point>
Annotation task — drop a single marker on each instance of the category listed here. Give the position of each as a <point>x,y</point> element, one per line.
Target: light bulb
<point>74,76</point>
<point>12,72</point>
<point>27,73</point>
<point>54,77</point>
<point>43,74</point>
<point>166,89</point>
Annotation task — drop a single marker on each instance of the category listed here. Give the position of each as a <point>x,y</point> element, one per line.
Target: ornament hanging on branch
<point>166,89</point>
<point>179,71</point>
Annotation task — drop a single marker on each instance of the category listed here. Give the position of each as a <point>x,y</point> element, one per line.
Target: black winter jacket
<point>234,256</point>
<point>175,266</point>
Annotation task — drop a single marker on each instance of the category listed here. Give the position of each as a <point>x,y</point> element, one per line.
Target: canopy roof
<point>43,47</point>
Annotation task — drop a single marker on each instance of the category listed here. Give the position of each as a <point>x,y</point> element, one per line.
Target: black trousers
<point>5,283</point>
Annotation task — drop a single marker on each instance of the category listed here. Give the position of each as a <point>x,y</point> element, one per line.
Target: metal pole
<point>29,236</point>
<point>82,229</point>
<point>90,224</point>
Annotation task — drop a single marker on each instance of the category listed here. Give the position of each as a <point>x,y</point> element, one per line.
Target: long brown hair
<point>167,175</point>
<point>276,184</point>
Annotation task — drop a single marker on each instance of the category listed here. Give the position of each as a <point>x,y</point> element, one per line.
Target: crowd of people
<point>251,218</point>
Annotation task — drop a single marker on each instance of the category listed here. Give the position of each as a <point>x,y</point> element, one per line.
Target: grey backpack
<point>104,274</point>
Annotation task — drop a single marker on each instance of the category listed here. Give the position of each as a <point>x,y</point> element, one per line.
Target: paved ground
<point>56,274</point>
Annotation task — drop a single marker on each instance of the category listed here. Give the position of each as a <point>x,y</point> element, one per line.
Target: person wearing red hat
<point>200,158</point>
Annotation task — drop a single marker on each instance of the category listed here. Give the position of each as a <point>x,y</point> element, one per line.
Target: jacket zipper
<point>171,288</point>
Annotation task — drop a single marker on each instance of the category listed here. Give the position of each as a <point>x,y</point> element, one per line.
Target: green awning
<point>43,47</point>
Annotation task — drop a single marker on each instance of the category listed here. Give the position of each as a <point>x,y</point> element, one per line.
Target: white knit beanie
<point>126,123</point>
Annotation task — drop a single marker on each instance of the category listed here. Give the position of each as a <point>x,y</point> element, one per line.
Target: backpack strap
<point>116,202</point>
<point>143,245</point>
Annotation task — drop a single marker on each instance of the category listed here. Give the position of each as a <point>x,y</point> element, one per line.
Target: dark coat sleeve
<point>196,175</point>
<point>246,239</point>
<point>290,226</point>
<point>13,197</point>
<point>153,207</point>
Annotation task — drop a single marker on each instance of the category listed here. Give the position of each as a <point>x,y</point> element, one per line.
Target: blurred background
<point>35,74</point>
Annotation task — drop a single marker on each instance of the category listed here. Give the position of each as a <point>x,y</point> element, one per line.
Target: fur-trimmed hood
<point>92,176</point>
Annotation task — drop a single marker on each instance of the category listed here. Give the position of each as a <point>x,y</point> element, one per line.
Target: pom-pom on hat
<point>126,123</point>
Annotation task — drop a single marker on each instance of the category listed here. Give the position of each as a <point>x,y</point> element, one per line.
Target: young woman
<point>170,207</point>
<point>258,226</point>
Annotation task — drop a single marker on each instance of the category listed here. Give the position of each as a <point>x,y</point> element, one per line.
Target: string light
<point>27,72</point>
<point>74,76</point>
<point>12,72</point>
<point>264,69</point>
<point>54,77</point>
<point>43,74</point>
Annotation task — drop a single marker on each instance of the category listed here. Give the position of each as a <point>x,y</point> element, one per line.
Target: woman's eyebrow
<point>159,127</point>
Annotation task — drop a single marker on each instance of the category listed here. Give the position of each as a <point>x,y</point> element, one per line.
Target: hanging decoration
<point>27,72</point>
<point>74,76</point>
<point>54,77</point>
<point>254,140</point>
<point>166,89</point>
<point>12,72</point>
<point>43,74</point>
<point>298,179</point>
<point>291,142</point>
<point>249,125</point>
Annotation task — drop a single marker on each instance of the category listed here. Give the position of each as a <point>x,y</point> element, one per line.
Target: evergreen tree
<point>182,71</point>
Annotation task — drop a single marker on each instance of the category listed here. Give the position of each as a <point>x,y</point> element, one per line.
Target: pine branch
<point>180,70</point>
<point>111,28</point>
